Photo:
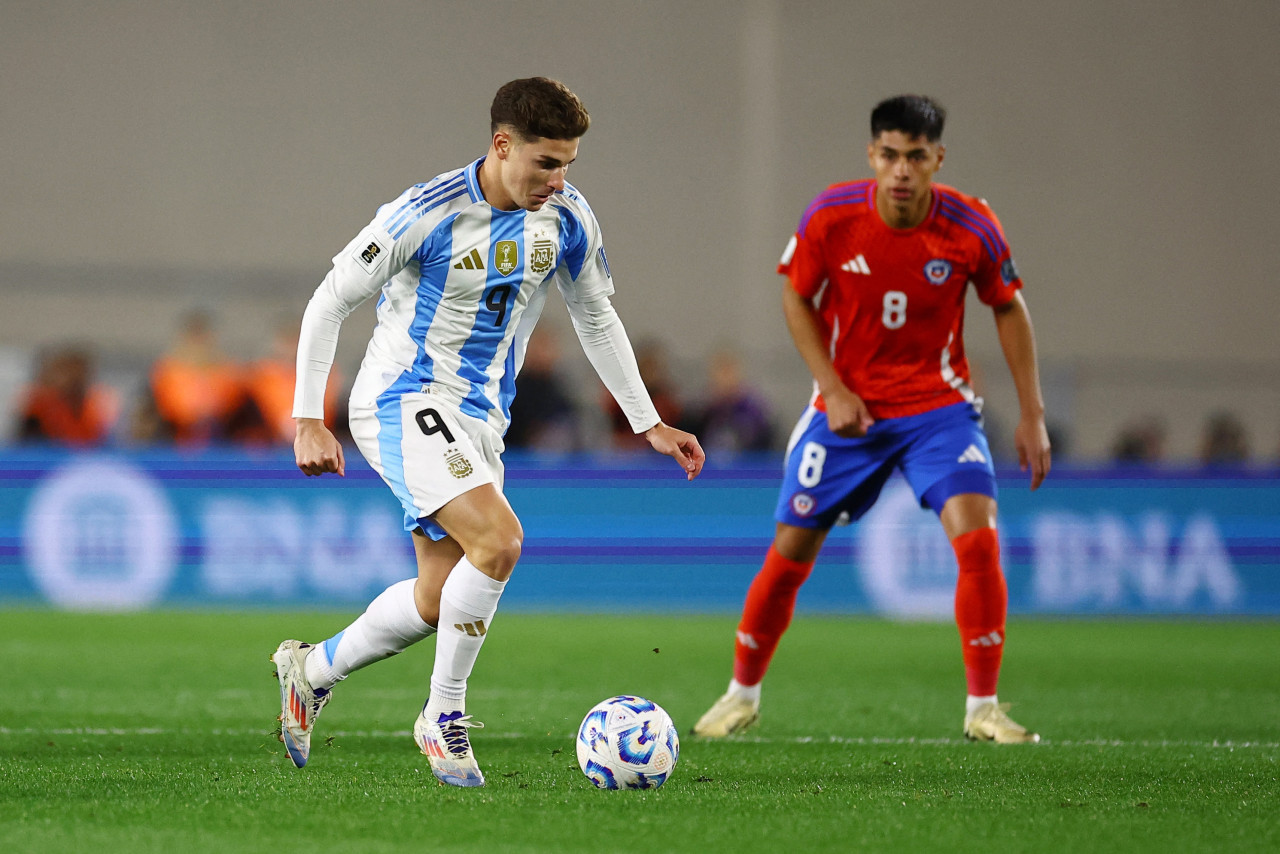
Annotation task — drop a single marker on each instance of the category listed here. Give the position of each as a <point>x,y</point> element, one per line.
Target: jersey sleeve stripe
<point>986,241</point>
<point>980,225</point>
<point>418,192</point>
<point>986,223</point>
<point>415,207</point>
<point>427,207</point>
<point>843,189</point>
<point>572,192</point>
<point>472,174</point>
<point>980,220</point>
<point>573,240</point>
<point>855,197</point>
<point>849,193</point>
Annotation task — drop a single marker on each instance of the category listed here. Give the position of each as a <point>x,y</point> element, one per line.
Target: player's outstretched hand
<point>680,446</point>
<point>1031,438</point>
<point>847,414</point>
<point>316,450</point>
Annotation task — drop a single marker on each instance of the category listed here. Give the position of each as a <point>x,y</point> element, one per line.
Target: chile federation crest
<point>937,271</point>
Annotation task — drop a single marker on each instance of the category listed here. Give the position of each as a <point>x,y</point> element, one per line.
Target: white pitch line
<point>946,742</point>
<point>834,739</point>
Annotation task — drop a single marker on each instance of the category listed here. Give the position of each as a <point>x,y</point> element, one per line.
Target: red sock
<point>982,600</point>
<point>771,600</point>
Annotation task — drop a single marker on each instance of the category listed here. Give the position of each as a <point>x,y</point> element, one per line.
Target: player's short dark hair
<point>914,115</point>
<point>538,107</point>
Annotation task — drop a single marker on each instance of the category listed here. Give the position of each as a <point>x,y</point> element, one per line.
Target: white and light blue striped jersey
<point>462,285</point>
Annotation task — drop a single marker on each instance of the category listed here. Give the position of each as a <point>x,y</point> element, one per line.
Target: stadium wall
<point>166,156</point>
<point>226,529</point>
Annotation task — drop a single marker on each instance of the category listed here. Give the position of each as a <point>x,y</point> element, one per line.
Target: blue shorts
<point>942,452</point>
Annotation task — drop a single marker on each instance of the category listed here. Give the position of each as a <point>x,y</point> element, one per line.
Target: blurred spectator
<point>543,414</point>
<point>267,417</point>
<point>64,405</point>
<point>1223,441</point>
<point>1140,441</point>
<point>651,356</point>
<point>197,392</point>
<point>145,424</point>
<point>735,418</point>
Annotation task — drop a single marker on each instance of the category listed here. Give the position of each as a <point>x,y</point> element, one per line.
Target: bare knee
<point>967,512</point>
<point>496,553</point>
<point>427,599</point>
<point>799,544</point>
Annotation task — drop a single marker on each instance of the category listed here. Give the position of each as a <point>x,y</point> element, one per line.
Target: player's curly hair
<point>538,107</point>
<point>914,115</point>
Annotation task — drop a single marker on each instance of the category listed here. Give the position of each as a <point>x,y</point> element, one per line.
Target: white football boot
<point>731,713</point>
<point>443,740</point>
<point>990,722</point>
<point>300,705</point>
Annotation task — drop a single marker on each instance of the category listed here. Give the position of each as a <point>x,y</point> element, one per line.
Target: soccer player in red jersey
<point>874,300</point>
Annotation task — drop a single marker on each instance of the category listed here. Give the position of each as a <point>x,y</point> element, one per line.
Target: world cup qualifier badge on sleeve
<point>1008,271</point>
<point>370,254</point>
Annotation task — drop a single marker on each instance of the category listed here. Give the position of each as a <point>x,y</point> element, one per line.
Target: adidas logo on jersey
<point>470,262</point>
<point>972,455</point>
<point>856,265</point>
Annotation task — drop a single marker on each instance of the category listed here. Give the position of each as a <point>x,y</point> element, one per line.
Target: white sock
<point>468,601</point>
<point>746,692</point>
<point>971,703</point>
<point>389,625</point>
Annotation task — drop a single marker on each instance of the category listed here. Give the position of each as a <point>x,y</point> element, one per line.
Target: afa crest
<point>459,465</point>
<point>937,271</point>
<point>543,257</point>
<point>504,256</point>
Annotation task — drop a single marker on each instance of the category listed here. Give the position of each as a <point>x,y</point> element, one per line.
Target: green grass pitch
<point>153,732</point>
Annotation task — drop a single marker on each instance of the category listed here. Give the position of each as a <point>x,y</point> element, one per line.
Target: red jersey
<point>891,301</point>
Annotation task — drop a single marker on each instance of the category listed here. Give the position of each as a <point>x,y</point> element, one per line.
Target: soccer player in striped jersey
<point>462,265</point>
<point>874,300</point>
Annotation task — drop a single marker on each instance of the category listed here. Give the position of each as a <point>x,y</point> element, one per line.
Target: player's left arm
<point>586,285</point>
<point>1017,340</point>
<point>680,445</point>
<point>605,342</point>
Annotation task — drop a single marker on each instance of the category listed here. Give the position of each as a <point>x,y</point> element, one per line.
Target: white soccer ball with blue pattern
<point>627,743</point>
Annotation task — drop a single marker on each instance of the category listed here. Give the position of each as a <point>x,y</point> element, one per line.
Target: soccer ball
<point>627,743</point>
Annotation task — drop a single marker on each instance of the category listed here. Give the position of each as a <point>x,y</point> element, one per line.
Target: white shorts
<point>428,453</point>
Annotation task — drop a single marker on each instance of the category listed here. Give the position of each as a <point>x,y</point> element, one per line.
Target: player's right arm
<point>804,266</point>
<point>847,414</point>
<point>316,449</point>
<point>359,271</point>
